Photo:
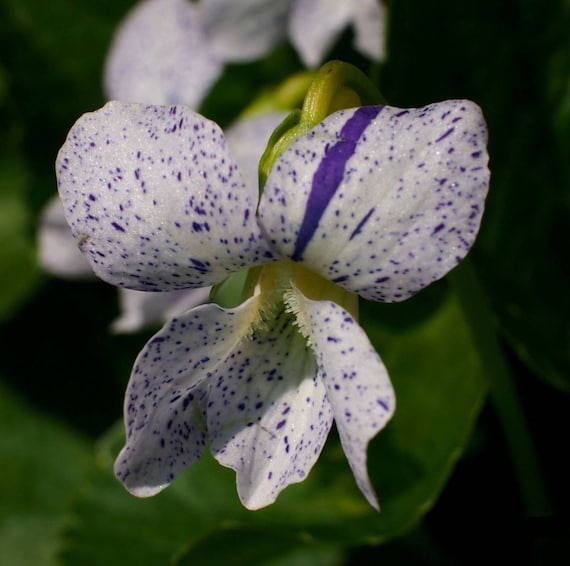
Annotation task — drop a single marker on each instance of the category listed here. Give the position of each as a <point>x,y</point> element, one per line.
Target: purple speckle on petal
<point>444,135</point>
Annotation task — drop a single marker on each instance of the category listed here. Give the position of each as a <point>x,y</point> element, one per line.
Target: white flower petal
<point>356,381</point>
<point>155,198</point>
<point>167,394</point>
<point>314,26</point>
<point>58,252</point>
<point>380,200</point>
<point>245,30</point>
<point>268,416</point>
<point>370,28</point>
<point>140,309</point>
<point>159,55</point>
<point>247,139</point>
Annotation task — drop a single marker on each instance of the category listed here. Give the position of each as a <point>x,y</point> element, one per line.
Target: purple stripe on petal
<point>330,172</point>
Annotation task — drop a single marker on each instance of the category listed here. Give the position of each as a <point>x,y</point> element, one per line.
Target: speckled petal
<point>245,30</point>
<point>268,415</point>
<point>155,199</point>
<point>141,309</point>
<point>159,55</point>
<point>380,200</point>
<point>356,381</point>
<point>57,248</point>
<point>166,398</point>
<point>314,26</point>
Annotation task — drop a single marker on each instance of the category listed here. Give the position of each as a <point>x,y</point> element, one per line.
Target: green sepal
<point>230,292</point>
<point>286,132</point>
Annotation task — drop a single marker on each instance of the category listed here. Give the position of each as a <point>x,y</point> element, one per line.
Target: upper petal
<point>268,416</point>
<point>380,200</point>
<point>155,198</point>
<point>159,55</point>
<point>244,30</point>
<point>314,26</point>
<point>356,381</point>
<point>166,397</point>
<point>58,253</point>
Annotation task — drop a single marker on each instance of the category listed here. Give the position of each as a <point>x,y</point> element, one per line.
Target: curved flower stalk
<point>371,201</point>
<point>172,51</point>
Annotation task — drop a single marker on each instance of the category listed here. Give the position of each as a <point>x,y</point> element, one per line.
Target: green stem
<point>289,94</point>
<point>504,394</point>
<point>334,80</point>
<point>335,86</point>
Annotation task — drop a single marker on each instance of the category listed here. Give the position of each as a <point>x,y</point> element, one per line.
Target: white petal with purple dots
<point>165,402</point>
<point>380,200</point>
<point>357,384</point>
<point>155,199</point>
<point>160,55</point>
<point>268,415</point>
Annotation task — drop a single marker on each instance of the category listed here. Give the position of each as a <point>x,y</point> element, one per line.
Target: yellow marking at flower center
<point>277,287</point>
<point>282,285</point>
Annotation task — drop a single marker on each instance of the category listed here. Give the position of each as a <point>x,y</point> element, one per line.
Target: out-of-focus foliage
<point>513,58</point>
<point>43,465</point>
<point>63,374</point>
<point>18,267</point>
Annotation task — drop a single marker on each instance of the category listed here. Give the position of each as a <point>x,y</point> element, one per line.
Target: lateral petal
<point>165,402</point>
<point>155,199</point>
<point>380,200</point>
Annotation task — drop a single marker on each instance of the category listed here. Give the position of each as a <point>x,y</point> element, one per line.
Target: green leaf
<point>440,389</point>
<point>19,272</point>
<point>439,386</point>
<point>53,55</point>
<point>246,546</point>
<point>43,463</point>
<point>74,35</point>
<point>519,76</point>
